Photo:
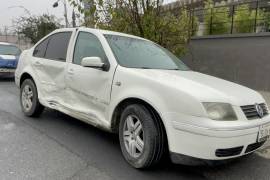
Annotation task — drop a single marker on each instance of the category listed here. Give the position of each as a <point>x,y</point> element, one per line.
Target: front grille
<point>251,112</point>
<point>229,152</point>
<point>254,146</point>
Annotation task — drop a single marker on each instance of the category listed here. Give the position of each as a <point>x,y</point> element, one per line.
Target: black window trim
<point>107,62</point>
<point>49,38</point>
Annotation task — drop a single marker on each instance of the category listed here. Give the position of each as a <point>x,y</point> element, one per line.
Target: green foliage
<point>36,27</point>
<point>217,20</point>
<point>266,21</point>
<point>89,10</point>
<point>194,25</point>
<point>244,19</point>
<point>145,18</point>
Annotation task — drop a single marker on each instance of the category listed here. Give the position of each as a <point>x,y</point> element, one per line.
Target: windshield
<point>137,53</point>
<point>9,50</point>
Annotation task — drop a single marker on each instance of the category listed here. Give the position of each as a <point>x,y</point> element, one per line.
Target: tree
<point>145,18</point>
<point>245,19</point>
<point>36,27</point>
<point>265,21</point>
<point>216,19</point>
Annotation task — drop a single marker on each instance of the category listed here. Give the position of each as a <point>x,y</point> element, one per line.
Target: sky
<point>9,11</point>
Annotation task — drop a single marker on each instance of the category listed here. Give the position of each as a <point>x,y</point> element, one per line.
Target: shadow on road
<point>101,149</point>
<point>6,78</point>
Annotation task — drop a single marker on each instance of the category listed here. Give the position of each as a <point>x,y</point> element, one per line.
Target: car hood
<point>203,87</point>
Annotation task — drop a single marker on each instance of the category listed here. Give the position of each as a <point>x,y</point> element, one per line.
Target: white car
<point>132,86</point>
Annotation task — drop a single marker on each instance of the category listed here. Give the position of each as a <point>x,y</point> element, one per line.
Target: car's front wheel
<point>29,99</point>
<point>141,136</point>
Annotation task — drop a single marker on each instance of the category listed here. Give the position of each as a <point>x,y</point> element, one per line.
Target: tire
<point>32,108</point>
<point>151,134</point>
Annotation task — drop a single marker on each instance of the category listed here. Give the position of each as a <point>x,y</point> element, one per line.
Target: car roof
<point>104,32</point>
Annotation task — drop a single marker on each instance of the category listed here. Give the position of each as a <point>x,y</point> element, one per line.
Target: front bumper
<point>214,142</point>
<point>6,70</point>
<point>188,160</point>
<point>8,66</point>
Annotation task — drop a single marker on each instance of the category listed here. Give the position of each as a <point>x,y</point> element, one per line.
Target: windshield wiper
<point>9,54</point>
<point>144,68</point>
<point>176,69</point>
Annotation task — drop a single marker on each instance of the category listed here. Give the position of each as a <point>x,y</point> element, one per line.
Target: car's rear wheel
<point>141,137</point>
<point>29,99</point>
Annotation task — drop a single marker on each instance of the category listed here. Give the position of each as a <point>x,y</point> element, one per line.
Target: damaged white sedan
<point>131,86</point>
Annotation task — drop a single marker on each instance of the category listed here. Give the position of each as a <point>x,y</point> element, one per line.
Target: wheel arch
<point>115,119</point>
<point>25,76</point>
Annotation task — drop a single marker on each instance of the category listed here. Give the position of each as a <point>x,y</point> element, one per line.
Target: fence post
<point>256,14</point>
<point>192,22</point>
<point>189,29</point>
<point>211,20</point>
<point>233,9</point>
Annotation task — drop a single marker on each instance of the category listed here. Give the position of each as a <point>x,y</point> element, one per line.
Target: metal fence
<point>241,17</point>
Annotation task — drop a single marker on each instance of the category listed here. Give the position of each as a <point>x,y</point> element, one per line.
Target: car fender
<point>128,83</point>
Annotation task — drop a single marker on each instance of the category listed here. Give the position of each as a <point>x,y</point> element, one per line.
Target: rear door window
<point>57,46</point>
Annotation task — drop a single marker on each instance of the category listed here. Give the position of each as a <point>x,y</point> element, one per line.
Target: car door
<point>49,61</point>
<point>89,88</point>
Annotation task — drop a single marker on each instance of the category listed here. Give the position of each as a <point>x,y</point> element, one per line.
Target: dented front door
<point>89,88</point>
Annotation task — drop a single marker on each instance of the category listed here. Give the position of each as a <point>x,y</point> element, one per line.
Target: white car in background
<point>131,86</point>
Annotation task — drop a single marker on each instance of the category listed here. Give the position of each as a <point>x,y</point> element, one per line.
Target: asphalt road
<point>56,146</point>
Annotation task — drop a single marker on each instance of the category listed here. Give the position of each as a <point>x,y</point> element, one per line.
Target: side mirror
<point>94,62</point>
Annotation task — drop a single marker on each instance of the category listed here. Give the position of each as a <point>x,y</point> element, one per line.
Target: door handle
<point>71,71</point>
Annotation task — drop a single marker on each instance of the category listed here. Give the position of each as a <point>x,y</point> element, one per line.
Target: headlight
<point>220,111</point>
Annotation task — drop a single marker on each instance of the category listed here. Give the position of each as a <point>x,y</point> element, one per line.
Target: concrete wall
<point>244,59</point>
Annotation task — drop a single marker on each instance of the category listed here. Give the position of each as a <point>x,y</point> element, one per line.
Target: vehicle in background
<point>9,56</point>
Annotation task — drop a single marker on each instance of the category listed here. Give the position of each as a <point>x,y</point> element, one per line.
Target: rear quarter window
<point>40,49</point>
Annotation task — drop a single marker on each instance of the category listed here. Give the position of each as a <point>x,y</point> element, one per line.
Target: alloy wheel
<point>133,136</point>
<point>27,98</point>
